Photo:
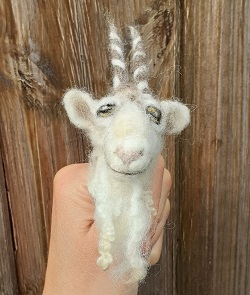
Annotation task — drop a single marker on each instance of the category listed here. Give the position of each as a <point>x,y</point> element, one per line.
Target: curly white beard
<point>123,211</point>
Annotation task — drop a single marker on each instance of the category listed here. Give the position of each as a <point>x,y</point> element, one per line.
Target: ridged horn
<point>138,61</point>
<point>117,57</point>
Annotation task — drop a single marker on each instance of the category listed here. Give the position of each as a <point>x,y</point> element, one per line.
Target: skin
<point>73,250</point>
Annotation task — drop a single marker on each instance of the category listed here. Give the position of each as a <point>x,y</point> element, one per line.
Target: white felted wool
<point>126,128</point>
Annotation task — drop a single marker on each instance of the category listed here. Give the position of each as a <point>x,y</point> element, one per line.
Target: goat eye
<point>105,110</point>
<point>155,114</point>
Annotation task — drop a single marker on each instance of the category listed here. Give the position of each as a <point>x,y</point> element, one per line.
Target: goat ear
<point>79,106</point>
<point>176,116</point>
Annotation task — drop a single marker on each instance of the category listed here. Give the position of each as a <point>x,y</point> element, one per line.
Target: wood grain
<point>215,165</point>
<point>36,138</point>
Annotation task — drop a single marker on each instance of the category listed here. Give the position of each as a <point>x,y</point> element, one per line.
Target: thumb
<point>72,204</point>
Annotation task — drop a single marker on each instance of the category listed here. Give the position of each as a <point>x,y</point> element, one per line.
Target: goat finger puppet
<point>126,129</point>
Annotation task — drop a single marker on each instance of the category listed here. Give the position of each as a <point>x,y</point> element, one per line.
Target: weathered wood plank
<point>35,141</point>
<point>215,166</point>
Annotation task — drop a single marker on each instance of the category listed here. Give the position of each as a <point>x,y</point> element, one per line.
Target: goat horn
<point>117,57</point>
<point>138,65</point>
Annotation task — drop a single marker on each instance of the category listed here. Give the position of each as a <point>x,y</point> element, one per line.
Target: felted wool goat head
<point>126,128</point>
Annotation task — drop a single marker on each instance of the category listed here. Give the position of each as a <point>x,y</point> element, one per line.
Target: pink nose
<point>128,156</point>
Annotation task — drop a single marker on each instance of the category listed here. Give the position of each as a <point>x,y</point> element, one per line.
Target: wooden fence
<point>200,52</point>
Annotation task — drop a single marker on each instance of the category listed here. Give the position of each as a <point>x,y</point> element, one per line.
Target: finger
<point>71,197</point>
<point>165,191</point>
<point>157,181</point>
<point>155,253</point>
<point>160,226</point>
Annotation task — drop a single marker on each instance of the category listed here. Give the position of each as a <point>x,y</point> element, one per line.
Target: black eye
<point>155,114</point>
<point>105,110</point>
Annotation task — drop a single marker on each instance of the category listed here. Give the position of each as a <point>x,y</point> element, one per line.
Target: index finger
<point>159,175</point>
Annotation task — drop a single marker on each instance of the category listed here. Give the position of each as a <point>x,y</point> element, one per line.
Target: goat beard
<point>123,210</point>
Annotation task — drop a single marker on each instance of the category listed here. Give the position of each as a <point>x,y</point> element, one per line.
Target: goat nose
<point>128,156</point>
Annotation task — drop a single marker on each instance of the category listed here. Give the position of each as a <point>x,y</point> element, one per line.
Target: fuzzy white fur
<point>126,129</point>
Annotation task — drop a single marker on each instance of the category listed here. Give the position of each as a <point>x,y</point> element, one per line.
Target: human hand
<point>73,249</point>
